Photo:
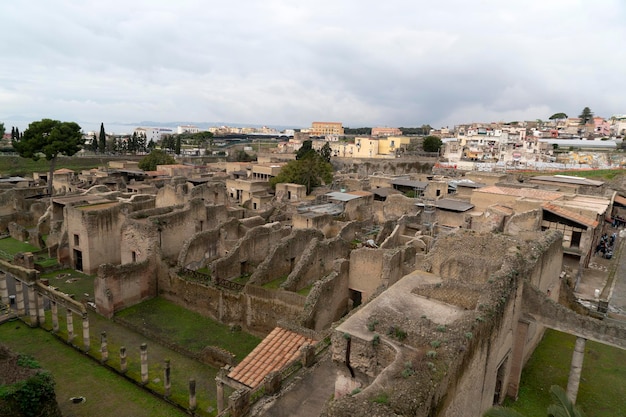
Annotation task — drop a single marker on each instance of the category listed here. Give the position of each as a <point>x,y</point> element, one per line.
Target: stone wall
<point>317,261</point>
<point>364,167</point>
<point>329,299</point>
<point>94,231</point>
<point>284,256</point>
<point>394,207</point>
<point>523,222</point>
<point>119,287</point>
<point>256,309</point>
<point>249,252</point>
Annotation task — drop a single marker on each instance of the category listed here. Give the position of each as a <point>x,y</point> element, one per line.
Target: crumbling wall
<point>366,267</point>
<point>328,300</point>
<point>212,193</point>
<point>249,252</point>
<point>523,222</point>
<point>202,248</point>
<point>284,256</point>
<point>396,206</point>
<point>139,241</point>
<point>177,192</point>
<point>316,261</point>
<point>122,286</point>
<point>175,227</point>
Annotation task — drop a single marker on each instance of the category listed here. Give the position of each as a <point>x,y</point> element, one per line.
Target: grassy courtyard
<point>107,394</point>
<point>602,389</point>
<point>187,328</point>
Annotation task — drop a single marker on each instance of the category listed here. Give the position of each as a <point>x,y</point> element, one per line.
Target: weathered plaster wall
<point>98,234</point>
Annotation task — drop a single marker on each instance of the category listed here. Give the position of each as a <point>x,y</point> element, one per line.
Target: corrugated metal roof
<point>335,195</point>
<point>278,349</point>
<point>451,204</point>
<point>566,179</point>
<point>521,192</point>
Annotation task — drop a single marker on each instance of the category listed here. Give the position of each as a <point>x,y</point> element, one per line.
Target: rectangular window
<point>76,240</point>
<point>134,255</point>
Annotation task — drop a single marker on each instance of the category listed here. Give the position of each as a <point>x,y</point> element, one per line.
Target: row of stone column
<point>37,316</point>
<point>143,355</point>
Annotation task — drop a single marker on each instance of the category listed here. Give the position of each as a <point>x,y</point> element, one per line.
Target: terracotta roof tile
<point>570,215</point>
<point>278,348</point>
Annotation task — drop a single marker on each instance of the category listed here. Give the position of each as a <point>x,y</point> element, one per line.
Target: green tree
<point>310,171</point>
<point>431,144</point>
<point>586,116</point>
<point>49,138</point>
<point>326,152</point>
<point>102,139</point>
<point>2,130</point>
<point>93,145</point>
<point>558,116</point>
<point>307,146</point>
<point>177,146</point>
<point>154,158</point>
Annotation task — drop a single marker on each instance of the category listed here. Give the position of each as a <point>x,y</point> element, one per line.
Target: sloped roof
<point>521,192</point>
<point>278,349</point>
<point>620,200</point>
<point>570,215</point>
<point>451,205</point>
<point>335,195</point>
<point>568,179</point>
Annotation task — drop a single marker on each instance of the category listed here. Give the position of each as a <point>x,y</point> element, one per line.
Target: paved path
<point>307,395</point>
<point>617,295</point>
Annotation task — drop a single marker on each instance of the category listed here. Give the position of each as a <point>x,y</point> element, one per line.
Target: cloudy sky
<point>291,62</point>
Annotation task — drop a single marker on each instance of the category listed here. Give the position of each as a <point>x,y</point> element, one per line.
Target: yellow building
<point>390,144</point>
<point>326,128</point>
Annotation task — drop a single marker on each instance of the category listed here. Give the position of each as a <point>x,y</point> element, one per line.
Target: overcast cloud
<point>291,62</point>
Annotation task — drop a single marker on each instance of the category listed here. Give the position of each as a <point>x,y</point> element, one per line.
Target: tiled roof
<point>278,349</point>
<point>586,221</point>
<point>521,192</point>
<point>620,200</point>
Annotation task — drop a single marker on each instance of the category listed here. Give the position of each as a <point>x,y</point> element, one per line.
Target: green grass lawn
<point>275,284</point>
<point>602,389</point>
<point>187,328</point>
<point>107,394</point>
<point>70,281</point>
<point>13,246</point>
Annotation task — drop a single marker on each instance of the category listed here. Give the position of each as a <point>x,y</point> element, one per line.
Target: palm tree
<point>562,407</point>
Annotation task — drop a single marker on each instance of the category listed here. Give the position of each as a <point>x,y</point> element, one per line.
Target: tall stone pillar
<point>517,358</point>
<point>86,341</point>
<point>19,297</point>
<point>41,314</point>
<point>32,305</point>
<point>70,325</point>
<point>55,316</point>
<point>575,369</point>
<point>192,394</point>
<point>144,363</point>
<point>123,361</point>
<point>167,383</point>
<point>220,395</point>
<point>4,290</point>
<point>104,348</point>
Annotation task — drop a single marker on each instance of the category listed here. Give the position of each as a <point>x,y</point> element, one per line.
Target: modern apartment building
<point>326,129</point>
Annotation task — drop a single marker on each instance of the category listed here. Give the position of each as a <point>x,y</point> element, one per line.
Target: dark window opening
<point>575,243</point>
<point>134,255</point>
<point>356,297</point>
<point>78,260</point>
<point>76,240</point>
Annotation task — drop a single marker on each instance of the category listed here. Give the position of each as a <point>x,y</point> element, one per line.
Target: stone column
<point>104,348</point>
<point>70,326</point>
<point>4,290</point>
<point>86,341</point>
<point>220,395</point>
<point>308,355</point>
<point>517,358</point>
<point>192,394</point>
<point>167,383</point>
<point>144,363</point>
<point>19,298</point>
<point>55,316</point>
<point>32,305</point>
<point>123,362</point>
<point>575,369</point>
<point>41,314</point>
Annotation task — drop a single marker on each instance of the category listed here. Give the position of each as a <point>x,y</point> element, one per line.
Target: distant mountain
<point>204,125</point>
